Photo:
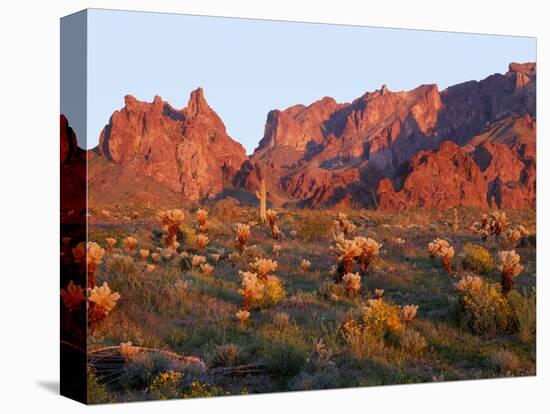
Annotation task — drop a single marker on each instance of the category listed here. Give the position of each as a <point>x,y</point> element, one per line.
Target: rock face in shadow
<point>496,169</point>
<point>390,148</point>
<point>188,151</point>
<point>67,141</point>
<point>72,175</point>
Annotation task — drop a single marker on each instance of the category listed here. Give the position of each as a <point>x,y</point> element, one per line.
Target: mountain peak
<point>527,68</point>
<point>129,100</point>
<point>197,102</point>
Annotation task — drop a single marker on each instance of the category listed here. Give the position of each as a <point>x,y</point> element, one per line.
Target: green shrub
<point>285,359</point>
<point>361,342</point>
<point>203,390</point>
<point>269,293</point>
<point>227,209</point>
<point>166,385</point>
<point>332,291</point>
<point>481,306</point>
<point>412,342</point>
<point>225,356</point>
<point>326,378</point>
<point>477,259</point>
<point>505,362</point>
<point>315,226</point>
<point>97,392</point>
<point>379,325</point>
<point>525,315</point>
<point>141,370</point>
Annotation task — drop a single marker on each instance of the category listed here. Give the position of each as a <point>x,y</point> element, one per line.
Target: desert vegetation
<point>191,304</point>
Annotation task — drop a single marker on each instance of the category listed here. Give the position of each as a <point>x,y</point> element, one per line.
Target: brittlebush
<point>481,307</point>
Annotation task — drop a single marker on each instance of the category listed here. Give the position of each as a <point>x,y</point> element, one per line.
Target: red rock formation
<point>72,175</point>
<point>326,152</point>
<point>68,145</point>
<point>496,169</point>
<point>470,144</point>
<point>444,178</point>
<point>187,150</point>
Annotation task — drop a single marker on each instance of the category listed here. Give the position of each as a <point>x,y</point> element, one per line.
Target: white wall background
<point>29,100</point>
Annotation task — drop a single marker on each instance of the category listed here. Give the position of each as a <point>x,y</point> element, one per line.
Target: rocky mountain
<point>72,175</point>
<point>390,149</point>
<point>187,152</point>
<point>471,144</point>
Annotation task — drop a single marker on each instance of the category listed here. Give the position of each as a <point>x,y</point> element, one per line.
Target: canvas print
<point>257,206</point>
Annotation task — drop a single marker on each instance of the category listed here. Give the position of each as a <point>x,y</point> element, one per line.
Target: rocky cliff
<point>187,151</point>
<point>386,148</point>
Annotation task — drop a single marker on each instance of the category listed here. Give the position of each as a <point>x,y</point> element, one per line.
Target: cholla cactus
<point>110,244</point>
<point>73,296</point>
<point>498,222</point>
<point>352,283</point>
<point>103,297</point>
<point>524,232</point>
<point>101,301</point>
<point>251,288</point>
<point>243,233</point>
<point>206,269</point>
<point>515,234</point>
<point>271,216</point>
<point>79,253</point>
<point>408,313</point>
<point>492,224</point>
<point>321,357</point>
<point>276,250</point>
<point>150,268</point>
<point>144,254</point>
<point>128,351</point>
<point>305,265</point>
<point>469,284</point>
<point>508,264</point>
<point>155,257</point>
<point>262,267</point>
<point>399,240</point>
<point>167,253</point>
<point>378,293</point>
<point>197,261</point>
<point>344,225</point>
<point>293,233</point>
<point>171,225</point>
<point>347,251</point>
<point>93,258</point>
<point>130,244</point>
<point>202,220</point>
<point>512,235</point>
<point>202,241</point>
<point>441,248</point>
<point>242,316</point>
<point>369,249</point>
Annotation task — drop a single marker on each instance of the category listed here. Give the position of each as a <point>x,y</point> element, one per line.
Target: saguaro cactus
<point>261,194</point>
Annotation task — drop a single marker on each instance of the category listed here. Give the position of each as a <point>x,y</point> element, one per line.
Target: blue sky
<point>248,67</point>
